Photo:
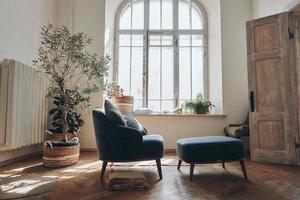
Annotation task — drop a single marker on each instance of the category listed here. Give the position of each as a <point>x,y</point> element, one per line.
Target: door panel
<point>270,135</point>
<point>270,75</point>
<point>268,87</point>
<point>265,39</point>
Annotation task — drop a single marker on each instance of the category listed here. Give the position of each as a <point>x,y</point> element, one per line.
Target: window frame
<point>146,37</point>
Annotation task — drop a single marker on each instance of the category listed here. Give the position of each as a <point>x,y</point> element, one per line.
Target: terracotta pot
<point>60,156</point>
<point>123,103</point>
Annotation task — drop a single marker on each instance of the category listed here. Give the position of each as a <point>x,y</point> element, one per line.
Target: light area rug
<point>25,185</point>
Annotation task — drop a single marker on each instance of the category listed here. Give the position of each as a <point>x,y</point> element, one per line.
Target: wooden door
<point>271,79</point>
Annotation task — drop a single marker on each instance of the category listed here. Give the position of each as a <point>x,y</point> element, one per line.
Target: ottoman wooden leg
<point>223,165</point>
<point>192,165</point>
<point>158,164</point>
<point>243,166</point>
<point>179,164</point>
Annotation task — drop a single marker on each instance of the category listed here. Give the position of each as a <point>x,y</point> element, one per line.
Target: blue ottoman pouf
<point>210,149</point>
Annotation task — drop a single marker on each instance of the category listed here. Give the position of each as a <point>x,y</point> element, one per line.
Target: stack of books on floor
<point>125,181</point>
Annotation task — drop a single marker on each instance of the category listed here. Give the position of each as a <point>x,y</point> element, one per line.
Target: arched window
<point>161,52</point>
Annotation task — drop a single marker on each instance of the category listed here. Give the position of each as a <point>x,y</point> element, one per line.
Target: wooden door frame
<point>294,17</point>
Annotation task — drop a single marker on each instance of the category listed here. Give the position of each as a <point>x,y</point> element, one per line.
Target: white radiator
<point>23,105</point>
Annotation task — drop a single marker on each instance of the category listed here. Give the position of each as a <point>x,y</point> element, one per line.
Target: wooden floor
<point>210,182</point>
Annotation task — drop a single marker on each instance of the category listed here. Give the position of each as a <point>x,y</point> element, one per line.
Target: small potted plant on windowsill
<point>63,58</point>
<point>197,106</point>
<point>123,102</point>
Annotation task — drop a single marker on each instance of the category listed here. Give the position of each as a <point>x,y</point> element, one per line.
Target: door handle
<point>252,103</point>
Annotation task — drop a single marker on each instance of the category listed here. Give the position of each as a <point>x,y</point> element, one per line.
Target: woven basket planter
<point>60,156</point>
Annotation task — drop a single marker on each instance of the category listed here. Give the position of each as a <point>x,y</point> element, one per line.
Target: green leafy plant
<point>197,106</point>
<point>63,57</point>
<point>113,89</point>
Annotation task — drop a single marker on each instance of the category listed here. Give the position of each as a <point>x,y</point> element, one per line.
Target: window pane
<point>124,69</point>
<point>154,73</point>
<point>197,40</point>
<point>167,14</point>
<point>137,73</point>
<point>198,71</point>
<point>137,40</point>
<point>155,40</point>
<point>196,18</point>
<point>184,14</point>
<point>124,40</point>
<point>125,18</point>
<point>167,40</point>
<point>138,103</point>
<point>184,73</point>
<point>138,15</point>
<point>154,14</point>
<point>167,105</point>
<point>154,105</point>
<point>184,40</point>
<point>167,73</point>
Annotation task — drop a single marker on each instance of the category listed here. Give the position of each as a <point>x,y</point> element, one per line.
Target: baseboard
<point>167,151</point>
<point>20,158</point>
<point>170,151</point>
<point>88,150</point>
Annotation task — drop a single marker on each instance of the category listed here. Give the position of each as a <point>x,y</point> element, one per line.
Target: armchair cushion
<point>152,147</point>
<point>113,114</point>
<point>133,123</point>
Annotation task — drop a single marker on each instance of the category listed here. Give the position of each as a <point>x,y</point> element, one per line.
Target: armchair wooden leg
<point>223,165</point>
<point>104,164</point>
<point>158,164</point>
<point>179,164</point>
<point>192,165</point>
<point>111,164</point>
<point>243,166</point>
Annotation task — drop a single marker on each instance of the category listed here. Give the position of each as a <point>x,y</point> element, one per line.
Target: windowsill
<point>181,115</point>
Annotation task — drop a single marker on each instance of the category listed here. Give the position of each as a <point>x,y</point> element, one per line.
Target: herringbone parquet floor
<point>211,182</point>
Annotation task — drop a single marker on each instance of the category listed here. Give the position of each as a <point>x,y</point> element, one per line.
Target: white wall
<point>21,23</point>
<point>262,8</point>
<point>234,57</point>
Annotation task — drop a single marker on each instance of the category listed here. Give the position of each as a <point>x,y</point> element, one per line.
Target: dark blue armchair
<point>122,144</point>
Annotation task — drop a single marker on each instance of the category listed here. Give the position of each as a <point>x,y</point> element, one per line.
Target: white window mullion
<point>176,54</point>
<point>116,59</point>
<point>160,62</point>
<point>130,74</point>
<point>191,51</point>
<point>146,53</point>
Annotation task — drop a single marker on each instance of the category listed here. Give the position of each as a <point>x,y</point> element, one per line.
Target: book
<point>125,181</point>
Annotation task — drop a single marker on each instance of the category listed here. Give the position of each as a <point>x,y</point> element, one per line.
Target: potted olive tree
<point>74,75</point>
<point>123,102</point>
